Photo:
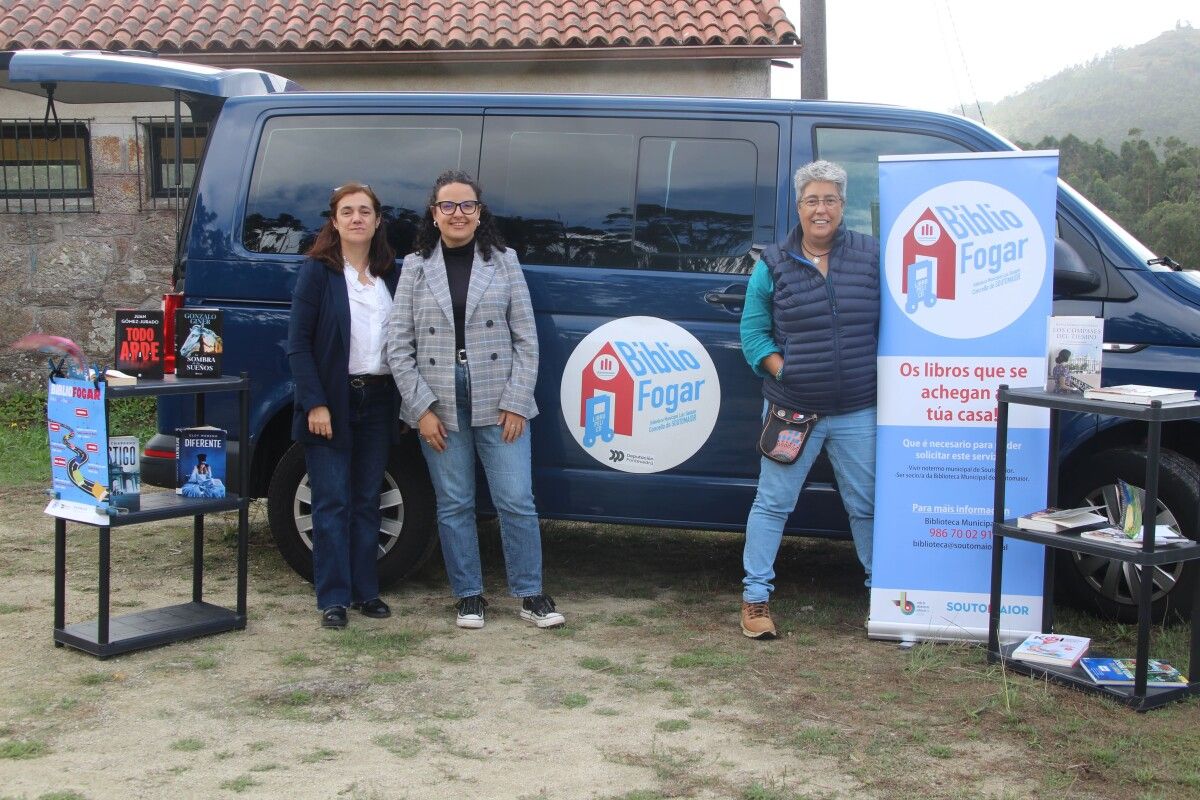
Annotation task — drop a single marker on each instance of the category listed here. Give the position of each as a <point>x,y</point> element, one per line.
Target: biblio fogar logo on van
<point>640,394</point>
<point>965,259</point>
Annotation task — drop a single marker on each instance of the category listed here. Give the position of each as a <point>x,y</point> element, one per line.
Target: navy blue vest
<point>827,327</point>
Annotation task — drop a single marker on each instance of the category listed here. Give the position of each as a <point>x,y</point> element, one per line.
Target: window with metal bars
<point>158,175</point>
<point>45,166</point>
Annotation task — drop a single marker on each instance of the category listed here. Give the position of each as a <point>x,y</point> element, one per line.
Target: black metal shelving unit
<point>106,635</point>
<point>1138,696</point>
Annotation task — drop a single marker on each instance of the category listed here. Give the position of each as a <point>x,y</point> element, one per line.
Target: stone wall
<point>66,273</point>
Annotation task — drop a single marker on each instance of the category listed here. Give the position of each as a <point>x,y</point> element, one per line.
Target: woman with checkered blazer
<point>463,350</point>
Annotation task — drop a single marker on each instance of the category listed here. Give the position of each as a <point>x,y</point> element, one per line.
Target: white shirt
<point>369,306</point>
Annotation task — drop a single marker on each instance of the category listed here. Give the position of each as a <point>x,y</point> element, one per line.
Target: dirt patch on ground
<point>648,692</point>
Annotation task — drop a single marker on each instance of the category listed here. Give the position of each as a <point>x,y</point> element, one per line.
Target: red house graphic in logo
<point>606,375</point>
<point>928,240</point>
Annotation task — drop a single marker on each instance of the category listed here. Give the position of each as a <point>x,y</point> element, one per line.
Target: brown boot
<point>756,621</point>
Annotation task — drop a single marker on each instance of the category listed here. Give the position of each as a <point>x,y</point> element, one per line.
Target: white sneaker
<point>539,609</point>
<point>470,611</point>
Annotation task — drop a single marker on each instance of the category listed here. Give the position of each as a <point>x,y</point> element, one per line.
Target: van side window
<point>858,150</point>
<point>695,198</point>
<point>631,193</point>
<point>566,199</point>
<point>302,159</point>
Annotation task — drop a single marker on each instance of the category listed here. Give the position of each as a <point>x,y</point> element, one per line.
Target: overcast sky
<point>936,54</point>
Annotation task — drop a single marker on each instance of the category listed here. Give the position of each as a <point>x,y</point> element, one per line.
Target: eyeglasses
<point>812,201</point>
<point>355,184</point>
<point>467,207</point>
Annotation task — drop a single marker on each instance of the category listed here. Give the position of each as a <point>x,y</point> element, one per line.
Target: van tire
<point>408,534</point>
<point>1103,584</point>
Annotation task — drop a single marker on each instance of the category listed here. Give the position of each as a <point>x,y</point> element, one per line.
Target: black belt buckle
<point>461,355</point>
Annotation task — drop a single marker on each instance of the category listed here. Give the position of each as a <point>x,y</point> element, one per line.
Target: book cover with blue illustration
<point>200,462</point>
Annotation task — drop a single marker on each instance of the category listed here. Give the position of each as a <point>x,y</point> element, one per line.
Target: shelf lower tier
<point>1076,678</point>
<point>143,629</point>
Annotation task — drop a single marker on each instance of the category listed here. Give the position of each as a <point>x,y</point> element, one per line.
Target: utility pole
<point>814,84</point>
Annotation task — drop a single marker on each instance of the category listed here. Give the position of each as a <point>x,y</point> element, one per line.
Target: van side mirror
<point>1071,275</point>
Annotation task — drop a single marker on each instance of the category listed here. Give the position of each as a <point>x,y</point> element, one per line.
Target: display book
<point>1128,530</point>
<point>1121,671</point>
<point>1074,352</point>
<point>138,350</point>
<point>200,463</point>
<point>198,342</point>
<point>1137,394</point>
<point>1052,649</point>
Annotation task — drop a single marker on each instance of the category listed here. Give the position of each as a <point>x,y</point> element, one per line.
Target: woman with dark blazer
<point>346,405</point>
<point>463,349</point>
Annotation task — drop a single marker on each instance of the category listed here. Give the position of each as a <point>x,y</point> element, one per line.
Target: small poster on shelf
<point>78,428</point>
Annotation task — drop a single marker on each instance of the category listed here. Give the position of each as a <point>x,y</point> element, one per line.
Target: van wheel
<point>407,532</point>
<point>1112,587</point>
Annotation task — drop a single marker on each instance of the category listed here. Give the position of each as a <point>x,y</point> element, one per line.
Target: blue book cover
<point>200,462</point>
<point>1120,672</point>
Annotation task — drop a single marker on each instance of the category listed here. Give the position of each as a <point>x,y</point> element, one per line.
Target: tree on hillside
<point>1157,199</point>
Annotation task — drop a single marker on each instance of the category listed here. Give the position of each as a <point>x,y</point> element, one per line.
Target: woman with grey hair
<point>810,331</point>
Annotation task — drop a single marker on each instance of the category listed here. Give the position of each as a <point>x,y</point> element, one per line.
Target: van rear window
<point>302,159</point>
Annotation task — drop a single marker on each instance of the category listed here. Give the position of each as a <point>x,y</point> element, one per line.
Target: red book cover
<point>139,343</point>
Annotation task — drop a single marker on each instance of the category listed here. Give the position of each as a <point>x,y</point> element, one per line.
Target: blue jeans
<point>510,482</point>
<point>345,485</point>
<point>850,440</point>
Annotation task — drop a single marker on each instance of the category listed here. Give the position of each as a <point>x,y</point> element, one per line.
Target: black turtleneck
<point>458,275</point>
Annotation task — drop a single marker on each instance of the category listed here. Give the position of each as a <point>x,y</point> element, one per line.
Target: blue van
<point>618,207</point>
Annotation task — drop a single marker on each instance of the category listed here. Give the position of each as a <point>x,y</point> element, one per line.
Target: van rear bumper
<point>158,469</point>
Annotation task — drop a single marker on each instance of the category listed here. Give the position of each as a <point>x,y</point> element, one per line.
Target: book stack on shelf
<point>1057,520</point>
<point>1137,394</point>
<point>1052,650</point>
<point>1127,532</point>
<point>1163,534</point>
<point>1120,672</point>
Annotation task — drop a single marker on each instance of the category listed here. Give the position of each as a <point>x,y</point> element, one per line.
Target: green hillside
<point>1153,87</point>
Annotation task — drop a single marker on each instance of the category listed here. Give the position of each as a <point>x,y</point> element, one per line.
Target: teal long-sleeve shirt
<point>756,325</point>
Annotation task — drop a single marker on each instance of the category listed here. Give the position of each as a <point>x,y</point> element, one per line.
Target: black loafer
<point>333,617</point>
<point>373,608</point>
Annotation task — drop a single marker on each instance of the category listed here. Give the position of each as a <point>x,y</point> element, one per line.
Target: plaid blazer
<point>499,331</point>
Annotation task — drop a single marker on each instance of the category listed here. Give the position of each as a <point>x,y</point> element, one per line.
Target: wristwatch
<point>779,372</point>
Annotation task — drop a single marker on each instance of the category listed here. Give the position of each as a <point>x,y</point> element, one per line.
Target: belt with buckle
<point>361,381</point>
<point>461,356</point>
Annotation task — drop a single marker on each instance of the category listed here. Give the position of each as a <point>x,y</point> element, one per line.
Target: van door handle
<point>730,297</point>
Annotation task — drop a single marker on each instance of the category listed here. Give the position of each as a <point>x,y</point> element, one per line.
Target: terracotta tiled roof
<point>210,26</point>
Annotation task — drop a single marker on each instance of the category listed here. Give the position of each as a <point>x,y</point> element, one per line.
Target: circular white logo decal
<point>965,259</point>
<point>640,394</point>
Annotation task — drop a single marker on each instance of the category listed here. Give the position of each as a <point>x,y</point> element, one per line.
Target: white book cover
<point>1056,649</point>
<point>1074,352</point>
<point>1142,395</point>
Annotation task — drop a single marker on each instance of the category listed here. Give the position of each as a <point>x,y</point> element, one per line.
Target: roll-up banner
<point>967,255</point>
